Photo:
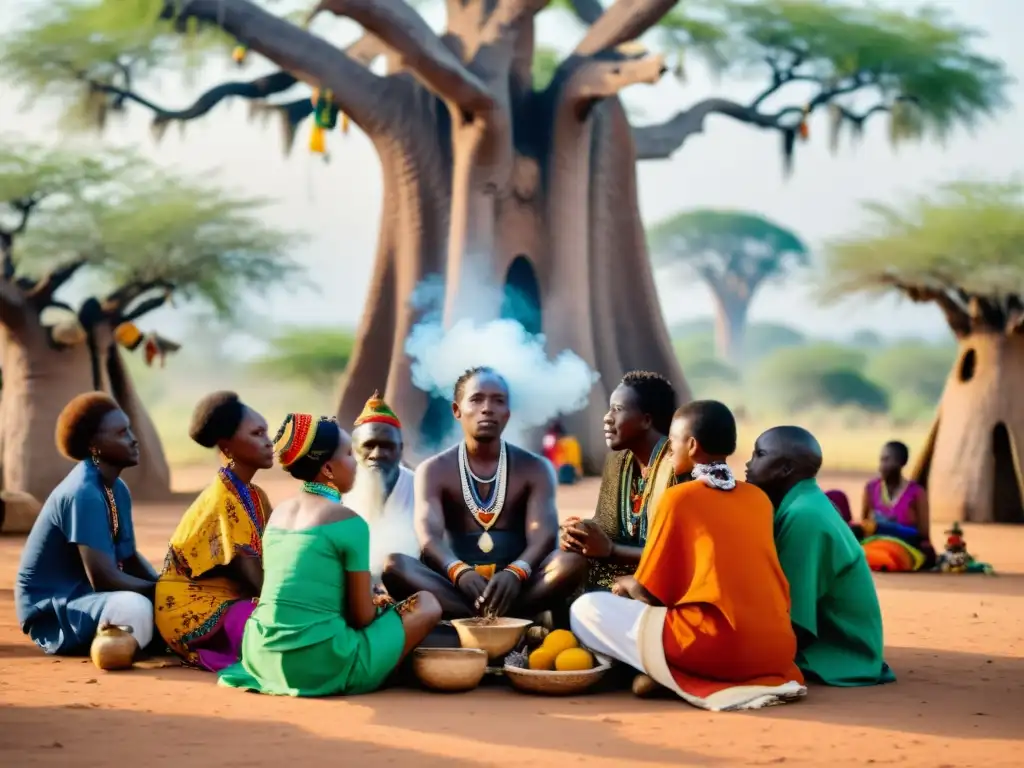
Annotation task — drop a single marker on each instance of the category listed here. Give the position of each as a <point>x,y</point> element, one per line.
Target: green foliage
<point>733,251</point>
<point>694,342</point>
<point>918,369</point>
<point>924,55</point>
<point>67,48</point>
<point>764,338</point>
<point>965,235</point>
<point>31,174</point>
<point>136,224</point>
<point>315,355</point>
<point>798,378</point>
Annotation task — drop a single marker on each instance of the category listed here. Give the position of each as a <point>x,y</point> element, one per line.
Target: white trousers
<point>609,624</point>
<point>130,609</point>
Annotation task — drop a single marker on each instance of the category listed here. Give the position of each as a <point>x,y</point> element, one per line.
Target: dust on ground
<point>955,643</point>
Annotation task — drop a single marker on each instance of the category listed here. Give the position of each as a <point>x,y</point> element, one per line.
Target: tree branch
<point>957,316</point>
<point>624,21</point>
<point>422,52</point>
<point>357,91</point>
<point>366,49</point>
<point>116,302</point>
<point>659,141</point>
<point>45,288</point>
<point>146,307</point>
<point>594,80</point>
<point>656,142</point>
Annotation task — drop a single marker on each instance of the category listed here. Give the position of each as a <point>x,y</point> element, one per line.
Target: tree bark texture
<point>480,169</point>
<point>972,463</point>
<point>38,382</point>
<point>40,378</point>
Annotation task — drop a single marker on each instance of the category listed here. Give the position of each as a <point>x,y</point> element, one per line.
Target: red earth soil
<point>955,643</point>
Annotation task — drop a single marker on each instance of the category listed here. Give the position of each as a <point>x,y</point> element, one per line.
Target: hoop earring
<point>95,456</point>
<point>330,476</point>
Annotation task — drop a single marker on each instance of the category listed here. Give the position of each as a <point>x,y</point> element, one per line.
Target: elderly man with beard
<point>383,492</point>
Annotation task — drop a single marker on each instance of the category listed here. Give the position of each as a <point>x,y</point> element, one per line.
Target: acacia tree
<point>145,236</point>
<point>734,253</point>
<point>480,168</point>
<point>961,248</point>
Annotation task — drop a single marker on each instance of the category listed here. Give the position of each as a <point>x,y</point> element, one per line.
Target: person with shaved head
<point>835,609</point>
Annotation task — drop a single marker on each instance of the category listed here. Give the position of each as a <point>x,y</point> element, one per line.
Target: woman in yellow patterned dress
<point>213,571</point>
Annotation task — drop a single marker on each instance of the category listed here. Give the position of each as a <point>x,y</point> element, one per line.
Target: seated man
<point>80,569</point>
<point>707,613</point>
<point>636,474</point>
<point>835,611</point>
<point>383,493</point>
<point>486,519</point>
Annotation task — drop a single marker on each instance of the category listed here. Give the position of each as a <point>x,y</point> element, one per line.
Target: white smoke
<point>541,388</point>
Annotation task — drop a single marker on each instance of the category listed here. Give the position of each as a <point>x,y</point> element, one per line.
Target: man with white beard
<point>383,492</point>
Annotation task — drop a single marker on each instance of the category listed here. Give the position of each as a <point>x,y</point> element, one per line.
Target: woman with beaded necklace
<point>213,570</point>
<point>317,630</point>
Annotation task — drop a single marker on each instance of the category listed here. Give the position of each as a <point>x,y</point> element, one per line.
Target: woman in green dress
<point>317,629</point>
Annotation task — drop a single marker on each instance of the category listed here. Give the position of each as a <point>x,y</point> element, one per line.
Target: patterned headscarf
<point>304,439</point>
<point>376,411</point>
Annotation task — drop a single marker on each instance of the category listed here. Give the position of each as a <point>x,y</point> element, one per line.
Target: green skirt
<point>291,661</point>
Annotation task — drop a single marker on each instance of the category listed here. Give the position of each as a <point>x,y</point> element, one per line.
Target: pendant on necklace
<point>485,542</point>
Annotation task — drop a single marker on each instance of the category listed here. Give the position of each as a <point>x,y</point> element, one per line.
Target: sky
<point>731,165</point>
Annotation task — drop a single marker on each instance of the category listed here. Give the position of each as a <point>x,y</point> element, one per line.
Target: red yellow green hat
<point>376,411</point>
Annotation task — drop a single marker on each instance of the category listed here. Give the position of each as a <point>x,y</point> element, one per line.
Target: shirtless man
<point>486,520</point>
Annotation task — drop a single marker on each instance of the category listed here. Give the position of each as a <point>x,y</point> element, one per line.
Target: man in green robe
<point>835,609</point>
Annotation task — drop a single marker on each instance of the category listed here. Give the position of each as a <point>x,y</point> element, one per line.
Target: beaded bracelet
<point>520,569</point>
<point>455,569</point>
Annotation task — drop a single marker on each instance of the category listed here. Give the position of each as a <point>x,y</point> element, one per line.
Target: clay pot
<point>113,648</point>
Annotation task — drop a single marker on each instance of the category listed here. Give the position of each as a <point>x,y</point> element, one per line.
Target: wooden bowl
<point>496,636</point>
<point>548,683</point>
<point>449,670</point>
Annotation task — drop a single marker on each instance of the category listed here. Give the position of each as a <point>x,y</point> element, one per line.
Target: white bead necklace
<point>485,515</point>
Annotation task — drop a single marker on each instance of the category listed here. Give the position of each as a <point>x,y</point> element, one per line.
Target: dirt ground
<point>955,643</point>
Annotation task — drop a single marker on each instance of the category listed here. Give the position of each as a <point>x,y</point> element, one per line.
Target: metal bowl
<point>495,636</point>
<point>449,670</point>
<point>549,683</point>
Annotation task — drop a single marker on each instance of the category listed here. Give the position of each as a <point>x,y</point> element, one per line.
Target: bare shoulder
<point>328,514</point>
<point>432,468</point>
<point>534,466</point>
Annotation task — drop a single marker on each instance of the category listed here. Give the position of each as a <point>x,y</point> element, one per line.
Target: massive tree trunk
<point>39,380</point>
<point>972,465</point>
<point>479,172</point>
<point>40,376</point>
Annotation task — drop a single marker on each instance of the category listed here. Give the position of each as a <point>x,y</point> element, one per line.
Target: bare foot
<point>645,687</point>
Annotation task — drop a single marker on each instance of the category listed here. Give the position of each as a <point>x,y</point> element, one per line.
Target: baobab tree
<point>961,248</point>
<point>734,254</point>
<point>145,235</point>
<point>487,179</point>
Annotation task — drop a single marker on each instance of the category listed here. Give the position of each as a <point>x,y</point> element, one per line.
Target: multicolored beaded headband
<point>297,437</point>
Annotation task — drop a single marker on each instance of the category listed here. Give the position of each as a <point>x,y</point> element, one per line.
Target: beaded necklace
<point>323,490</point>
<point>485,513</point>
<point>113,516</point>
<point>635,491</point>
<point>244,494</point>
